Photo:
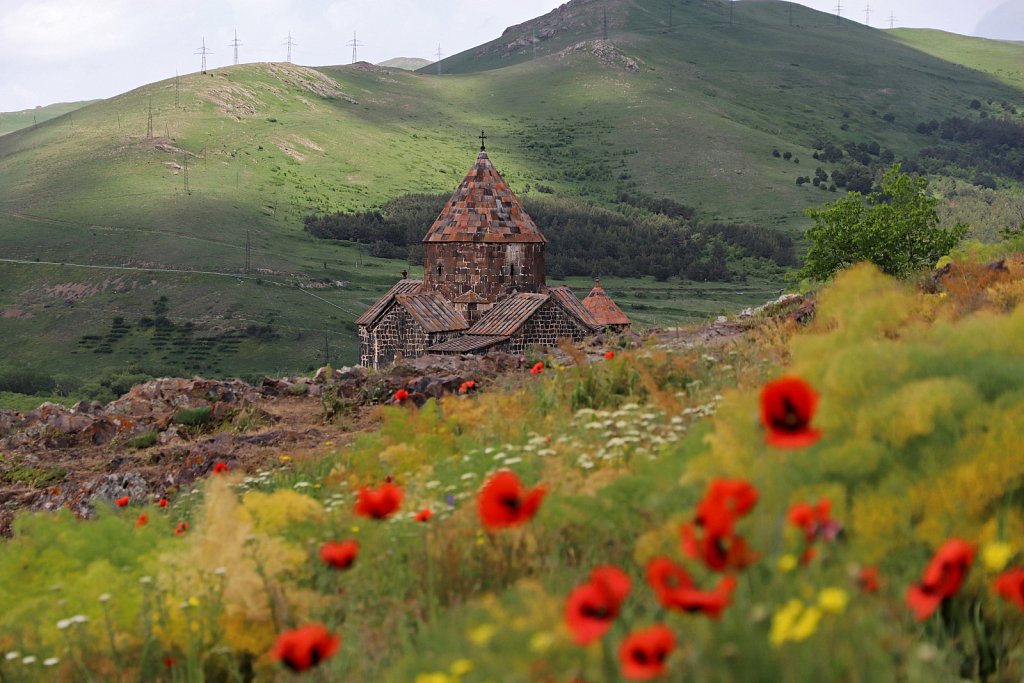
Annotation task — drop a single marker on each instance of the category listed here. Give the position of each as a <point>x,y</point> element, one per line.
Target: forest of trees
<point>644,236</point>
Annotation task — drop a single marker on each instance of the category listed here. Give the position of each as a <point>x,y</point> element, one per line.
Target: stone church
<point>483,285</point>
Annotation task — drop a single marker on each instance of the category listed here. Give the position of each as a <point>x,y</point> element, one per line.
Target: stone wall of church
<point>544,328</point>
<point>395,332</point>
<point>490,270</point>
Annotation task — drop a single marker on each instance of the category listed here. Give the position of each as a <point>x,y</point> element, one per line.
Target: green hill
<point>99,213</point>
<point>11,121</point>
<point>406,63</point>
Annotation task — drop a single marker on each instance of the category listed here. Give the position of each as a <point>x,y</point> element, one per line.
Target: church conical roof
<point>602,308</point>
<point>483,209</point>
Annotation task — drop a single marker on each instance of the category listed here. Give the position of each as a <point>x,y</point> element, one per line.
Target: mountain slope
<point>11,121</point>
<point>690,112</point>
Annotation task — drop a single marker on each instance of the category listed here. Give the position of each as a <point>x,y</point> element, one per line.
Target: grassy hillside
<point>11,121</point>
<point>406,63</point>
<point>691,112</point>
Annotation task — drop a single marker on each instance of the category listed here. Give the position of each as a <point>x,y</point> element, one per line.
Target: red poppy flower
<point>537,368</point>
<point>942,578</point>
<point>424,515</point>
<point>591,608</point>
<point>304,648</point>
<point>721,548</point>
<point>867,580</point>
<point>170,662</point>
<point>725,501</point>
<point>380,503</point>
<point>787,408</point>
<point>181,529</point>
<point>503,502</point>
<point>340,555</point>
<point>122,501</point>
<point>401,396</point>
<point>467,386</point>
<point>719,552</point>
<point>220,468</point>
<point>163,502</point>
<point>814,520</point>
<point>675,589</point>
<point>143,520</point>
<point>643,653</point>
<point>609,355</point>
<point>1010,585</point>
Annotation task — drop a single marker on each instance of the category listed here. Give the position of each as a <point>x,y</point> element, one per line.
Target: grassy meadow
<point>913,447</point>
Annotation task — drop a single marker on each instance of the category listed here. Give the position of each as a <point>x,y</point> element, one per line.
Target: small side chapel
<point>483,285</point>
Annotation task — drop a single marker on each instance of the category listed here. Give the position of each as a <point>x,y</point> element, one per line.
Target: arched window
<point>512,270</point>
<point>438,268</point>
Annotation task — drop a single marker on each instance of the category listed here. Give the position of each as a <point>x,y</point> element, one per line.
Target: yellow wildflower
<point>833,600</point>
<point>461,667</point>
<point>787,563</point>
<point>482,634</point>
<point>996,555</point>
<point>436,677</point>
<point>193,601</point>
<point>284,458</point>
<point>794,621</point>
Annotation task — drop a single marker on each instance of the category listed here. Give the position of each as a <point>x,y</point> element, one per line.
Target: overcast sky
<point>67,50</point>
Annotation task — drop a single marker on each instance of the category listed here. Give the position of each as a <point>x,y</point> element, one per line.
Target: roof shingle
<point>484,209</point>
<point>602,309</point>
<point>467,343</point>
<point>402,287</point>
<point>570,303</point>
<point>509,314</point>
<point>433,312</point>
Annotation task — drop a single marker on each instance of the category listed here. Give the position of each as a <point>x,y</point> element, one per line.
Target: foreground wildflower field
<point>842,502</point>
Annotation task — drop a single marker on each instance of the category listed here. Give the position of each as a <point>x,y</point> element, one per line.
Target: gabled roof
<point>570,303</point>
<point>433,312</point>
<point>468,343</point>
<point>403,287</point>
<point>508,315</point>
<point>483,209</point>
<point>470,297</point>
<point>602,309</point>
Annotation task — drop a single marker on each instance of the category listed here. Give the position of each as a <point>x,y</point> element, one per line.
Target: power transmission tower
<point>184,163</point>
<point>149,119</point>
<point>839,12</point>
<point>176,98</point>
<point>439,55</point>
<point>355,45</point>
<point>790,13</point>
<point>248,251</point>
<point>606,24</point>
<point>289,43</point>
<point>867,14</point>
<point>535,43</point>
<point>892,20</point>
<point>204,51</point>
<point>731,4</point>
<point>327,349</point>
<point>235,43</point>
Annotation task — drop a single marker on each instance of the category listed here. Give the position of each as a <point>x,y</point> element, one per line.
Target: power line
<point>439,55</point>
<point>204,51</point>
<point>289,43</point>
<point>355,45</point>
<point>235,43</point>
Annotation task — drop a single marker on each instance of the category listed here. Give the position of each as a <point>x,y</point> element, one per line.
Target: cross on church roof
<point>482,138</point>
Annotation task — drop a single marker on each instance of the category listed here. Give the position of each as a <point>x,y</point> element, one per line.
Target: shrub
<point>194,417</point>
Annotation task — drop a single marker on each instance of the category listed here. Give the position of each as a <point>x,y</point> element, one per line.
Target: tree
<point>896,228</point>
